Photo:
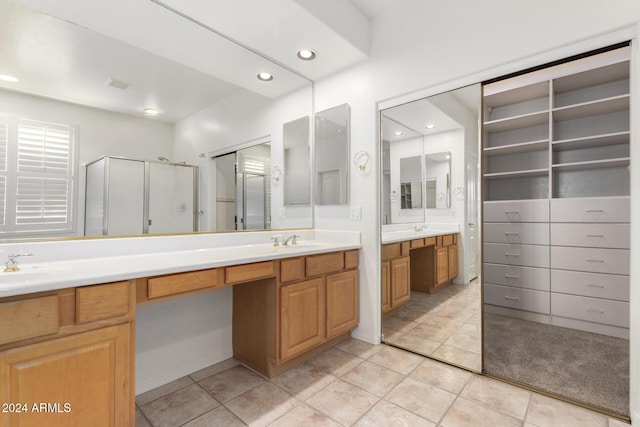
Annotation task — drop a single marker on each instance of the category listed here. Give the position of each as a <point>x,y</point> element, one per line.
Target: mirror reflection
<point>331,155</point>
<point>430,290</point>
<point>100,96</point>
<point>297,180</point>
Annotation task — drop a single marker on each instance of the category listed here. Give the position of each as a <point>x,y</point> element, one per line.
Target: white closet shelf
<point>592,141</point>
<point>592,108</point>
<point>507,95</point>
<point>593,164</point>
<point>589,78</point>
<point>517,174</point>
<point>516,122</point>
<point>523,147</point>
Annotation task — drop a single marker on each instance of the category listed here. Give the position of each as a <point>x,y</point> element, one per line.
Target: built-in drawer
<point>519,277</point>
<point>609,286</point>
<point>447,240</point>
<point>525,255</point>
<point>517,298</point>
<point>595,260</point>
<point>517,211</point>
<point>292,269</point>
<point>597,310</point>
<point>28,318</point>
<point>99,302</point>
<point>324,263</point>
<point>417,243</point>
<point>173,284</point>
<point>591,209</point>
<point>592,235</point>
<point>532,233</point>
<point>391,250</point>
<point>351,259</point>
<point>246,272</point>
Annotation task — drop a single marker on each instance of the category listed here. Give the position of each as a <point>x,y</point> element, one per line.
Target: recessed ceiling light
<point>8,78</point>
<point>265,77</point>
<point>397,133</point>
<point>150,112</point>
<point>120,84</point>
<point>430,126</point>
<point>307,54</point>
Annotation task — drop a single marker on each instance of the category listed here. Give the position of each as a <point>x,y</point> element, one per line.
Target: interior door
<point>171,198</point>
<point>254,202</point>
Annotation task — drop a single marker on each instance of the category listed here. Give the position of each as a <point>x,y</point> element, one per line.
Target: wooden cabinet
<point>385,285</point>
<point>453,261</point>
<point>302,317</point>
<point>71,354</point>
<point>342,302</point>
<point>400,282</point>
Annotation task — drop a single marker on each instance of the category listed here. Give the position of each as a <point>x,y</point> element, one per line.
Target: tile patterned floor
<point>444,325</point>
<point>355,384</point>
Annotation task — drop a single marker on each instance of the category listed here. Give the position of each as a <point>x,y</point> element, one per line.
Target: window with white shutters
<point>36,177</point>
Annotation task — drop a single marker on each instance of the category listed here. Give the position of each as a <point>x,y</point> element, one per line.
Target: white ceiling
<point>173,58</point>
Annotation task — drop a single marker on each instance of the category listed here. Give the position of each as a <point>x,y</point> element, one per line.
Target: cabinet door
<point>400,289</point>
<point>302,317</point>
<point>453,261</point>
<point>442,265</point>
<point>342,302</point>
<point>385,285</point>
<point>82,380</point>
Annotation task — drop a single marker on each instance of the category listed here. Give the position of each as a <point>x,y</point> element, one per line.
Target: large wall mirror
<point>331,155</point>
<point>154,100</point>
<point>430,291</point>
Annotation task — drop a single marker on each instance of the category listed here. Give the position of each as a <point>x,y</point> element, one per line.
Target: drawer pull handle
<point>512,212</point>
<point>595,210</point>
<point>595,235</point>
<point>508,254</point>
<point>511,234</point>
<point>595,285</point>
<point>509,276</point>
<point>595,310</point>
<point>512,298</point>
<point>595,260</point>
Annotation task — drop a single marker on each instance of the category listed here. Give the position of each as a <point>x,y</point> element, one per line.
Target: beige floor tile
<point>262,405</point>
<point>220,416</point>
<point>395,324</point>
<point>465,413</point>
<point>467,337</point>
<point>214,369</point>
<point>547,412</point>
<point>304,415</point>
<point>427,401</point>
<point>343,402</point>
<point>441,375</point>
<point>141,421</point>
<point>156,393</point>
<point>304,380</point>
<point>359,348</point>
<point>498,395</point>
<point>459,356</point>
<point>397,360</point>
<point>617,423</point>
<point>416,341</point>
<point>179,407</point>
<point>335,362</point>
<point>374,378</point>
<point>228,384</point>
<point>386,414</point>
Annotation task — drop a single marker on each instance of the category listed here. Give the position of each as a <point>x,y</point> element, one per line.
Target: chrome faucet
<point>12,262</point>
<point>418,228</point>
<point>291,239</point>
<point>276,241</point>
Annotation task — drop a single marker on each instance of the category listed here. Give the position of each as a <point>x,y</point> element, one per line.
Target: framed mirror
<point>331,156</point>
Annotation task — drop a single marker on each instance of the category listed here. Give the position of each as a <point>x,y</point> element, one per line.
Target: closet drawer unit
<point>535,233</point>
<point>525,255</point>
<point>597,310</point>
<point>517,277</point>
<point>595,260</point>
<point>591,235</point>
<point>608,286</point>
<point>517,211</point>
<point>517,298</point>
<point>593,209</point>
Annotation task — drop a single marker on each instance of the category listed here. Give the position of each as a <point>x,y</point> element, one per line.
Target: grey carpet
<point>583,366</point>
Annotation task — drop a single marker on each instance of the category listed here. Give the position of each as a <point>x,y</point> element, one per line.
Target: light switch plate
<point>356,213</point>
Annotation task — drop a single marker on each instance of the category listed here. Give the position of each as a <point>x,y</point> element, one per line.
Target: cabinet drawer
<point>532,233</point>
<point>417,243</point>
<point>246,272</point>
<point>173,284</point>
<point>430,241</point>
<point>102,301</point>
<point>390,251</point>
<point>525,255</point>
<point>517,298</point>
<point>595,260</point>
<point>592,209</point>
<point>592,235</point>
<point>597,310</point>
<point>351,259</point>
<point>28,318</point>
<point>447,240</point>
<point>608,286</point>
<point>325,263</point>
<point>517,211</point>
<point>291,269</point>
<point>518,277</point>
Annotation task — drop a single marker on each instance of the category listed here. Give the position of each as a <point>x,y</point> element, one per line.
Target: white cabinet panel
<point>517,211</point>
<point>597,310</point>
<point>517,298</point>
<point>594,209</point>
<point>519,277</point>
<point>591,235</point>
<point>525,255</point>
<point>518,233</point>
<point>613,261</point>
<point>608,286</point>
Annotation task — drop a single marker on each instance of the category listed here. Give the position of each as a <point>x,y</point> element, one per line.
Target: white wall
<point>100,133</point>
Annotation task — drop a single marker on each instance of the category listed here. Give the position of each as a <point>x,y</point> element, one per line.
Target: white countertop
<point>393,234</point>
<point>46,276</point>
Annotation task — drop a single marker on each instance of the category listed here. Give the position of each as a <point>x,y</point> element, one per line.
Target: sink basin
<point>28,274</point>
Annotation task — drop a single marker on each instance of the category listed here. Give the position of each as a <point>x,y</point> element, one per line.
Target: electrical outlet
<point>356,213</point>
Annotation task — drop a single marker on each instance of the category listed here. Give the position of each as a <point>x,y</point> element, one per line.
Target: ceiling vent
<point>117,83</point>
